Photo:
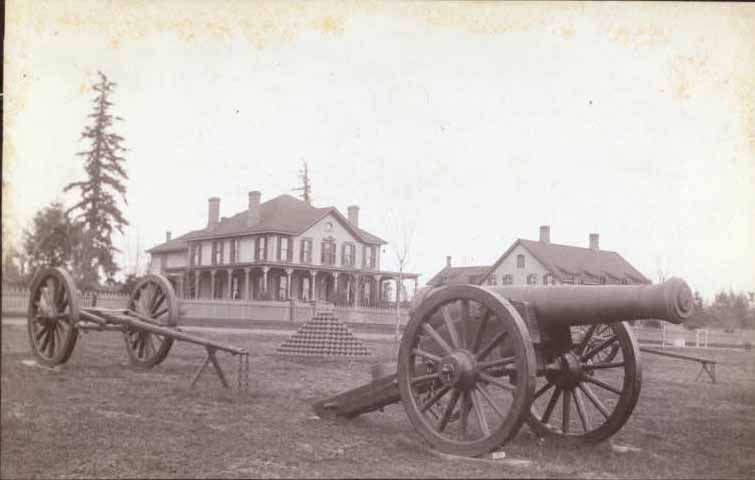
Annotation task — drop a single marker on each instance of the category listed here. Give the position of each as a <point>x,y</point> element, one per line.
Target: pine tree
<point>306,188</point>
<point>98,211</point>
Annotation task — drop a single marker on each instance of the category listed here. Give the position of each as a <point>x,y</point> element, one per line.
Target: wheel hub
<point>568,373</point>
<point>458,370</point>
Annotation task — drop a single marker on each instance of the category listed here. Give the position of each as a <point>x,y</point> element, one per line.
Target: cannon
<point>476,363</point>
<point>148,324</point>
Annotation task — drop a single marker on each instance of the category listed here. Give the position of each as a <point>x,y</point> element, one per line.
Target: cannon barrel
<point>590,304</point>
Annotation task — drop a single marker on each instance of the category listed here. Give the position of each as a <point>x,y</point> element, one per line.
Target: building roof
<point>282,214</point>
<point>565,261</point>
<point>455,275</point>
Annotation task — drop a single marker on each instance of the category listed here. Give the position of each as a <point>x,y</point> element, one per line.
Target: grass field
<point>97,417</point>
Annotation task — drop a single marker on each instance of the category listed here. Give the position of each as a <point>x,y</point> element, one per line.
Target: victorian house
<point>540,262</point>
<point>277,250</point>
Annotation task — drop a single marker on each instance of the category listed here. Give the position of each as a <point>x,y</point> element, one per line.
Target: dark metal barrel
<point>589,304</point>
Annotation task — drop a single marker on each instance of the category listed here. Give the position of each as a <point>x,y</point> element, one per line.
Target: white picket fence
<point>15,300</point>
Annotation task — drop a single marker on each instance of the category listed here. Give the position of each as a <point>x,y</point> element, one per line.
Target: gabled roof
<point>455,275</point>
<point>282,214</point>
<point>565,261</point>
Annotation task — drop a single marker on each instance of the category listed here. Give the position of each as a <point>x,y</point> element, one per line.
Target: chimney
<point>594,242</point>
<point>253,213</point>
<point>213,213</point>
<point>353,215</point>
<point>545,234</point>
<point>448,261</point>
<point>167,236</point>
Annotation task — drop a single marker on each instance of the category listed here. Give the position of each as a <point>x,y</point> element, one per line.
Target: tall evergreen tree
<point>98,211</point>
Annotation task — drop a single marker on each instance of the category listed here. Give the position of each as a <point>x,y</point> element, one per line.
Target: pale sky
<point>475,123</point>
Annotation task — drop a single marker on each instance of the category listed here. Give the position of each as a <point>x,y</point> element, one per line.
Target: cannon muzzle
<point>590,304</point>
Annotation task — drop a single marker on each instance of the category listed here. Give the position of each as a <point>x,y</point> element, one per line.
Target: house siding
<point>508,266</point>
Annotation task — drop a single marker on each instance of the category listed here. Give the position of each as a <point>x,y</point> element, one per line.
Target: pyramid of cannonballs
<point>323,336</point>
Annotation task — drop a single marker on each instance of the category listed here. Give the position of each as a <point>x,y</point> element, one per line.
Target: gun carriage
<point>476,363</point>
<point>148,324</point>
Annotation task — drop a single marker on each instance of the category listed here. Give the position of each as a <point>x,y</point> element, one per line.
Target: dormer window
<point>520,261</point>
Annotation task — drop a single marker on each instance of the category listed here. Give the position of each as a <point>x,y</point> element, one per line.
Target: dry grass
<point>97,417</point>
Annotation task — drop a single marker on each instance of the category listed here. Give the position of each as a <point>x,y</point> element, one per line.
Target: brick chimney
<point>594,242</point>
<point>545,234</point>
<point>167,236</point>
<point>213,213</point>
<point>448,261</point>
<point>253,212</point>
<point>353,215</point>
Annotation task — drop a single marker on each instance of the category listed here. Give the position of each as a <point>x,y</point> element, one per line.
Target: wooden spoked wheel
<point>466,370</point>
<point>154,299</point>
<point>582,398</point>
<point>599,334</point>
<point>52,317</point>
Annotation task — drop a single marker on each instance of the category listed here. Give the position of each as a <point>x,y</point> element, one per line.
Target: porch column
<point>289,272</point>
<point>230,284</point>
<point>180,292</point>
<point>335,286</point>
<point>196,284</point>
<point>357,291</point>
<point>247,285</point>
<point>264,279</point>
<point>212,284</point>
<point>377,295</point>
<point>313,274</point>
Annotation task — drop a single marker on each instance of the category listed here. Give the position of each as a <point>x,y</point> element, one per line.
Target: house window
<point>217,252</point>
<point>234,251</point>
<point>235,293</point>
<point>520,261</point>
<point>602,280</point>
<point>347,256</point>
<point>328,253</point>
<point>329,226</point>
<point>624,281</point>
<point>547,279</point>
<point>491,280</point>
<point>507,279</point>
<point>306,250</point>
<point>369,257</point>
<point>531,279</point>
<point>284,250</point>
<point>260,248</point>
<point>196,254</point>
<point>283,288</point>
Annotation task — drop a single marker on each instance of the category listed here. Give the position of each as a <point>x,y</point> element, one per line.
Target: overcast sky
<point>473,123</point>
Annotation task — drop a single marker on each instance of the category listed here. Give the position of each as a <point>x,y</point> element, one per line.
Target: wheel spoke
<point>424,378</point>
<point>486,395</point>
<point>594,399</point>
<point>583,417</point>
<point>544,389</point>
<point>161,312</point>
<point>157,302</point>
<point>140,341</point>
<point>595,381</point>
<point>38,334</point>
<point>551,405</point>
<point>434,398</point>
<point>603,345</point>
<point>565,410</point>
<point>465,407</point>
<point>491,345</point>
<point>496,381</point>
<point>426,355</point>
<point>449,409</point>
<point>496,363</point>
<point>482,421</point>
<point>599,366</point>
<point>451,327</point>
<point>46,340</point>
<point>464,330</point>
<point>586,340</point>
<point>483,325</point>
<point>438,339</point>
<point>51,345</point>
